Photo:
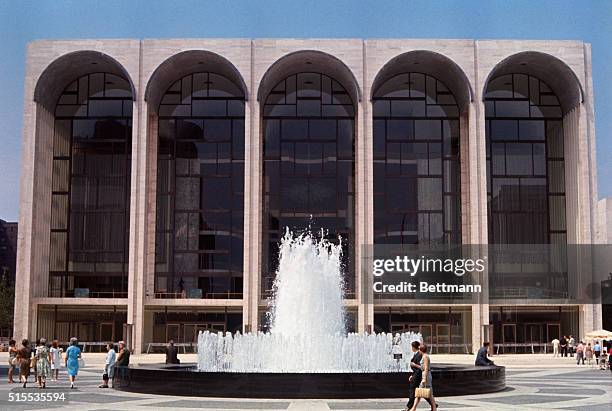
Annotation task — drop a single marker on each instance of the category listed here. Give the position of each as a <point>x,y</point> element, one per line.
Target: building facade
<point>159,176</point>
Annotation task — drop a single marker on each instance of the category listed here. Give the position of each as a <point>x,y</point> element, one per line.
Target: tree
<point>7,303</point>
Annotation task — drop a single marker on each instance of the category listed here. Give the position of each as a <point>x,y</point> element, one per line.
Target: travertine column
<point>253,207</point>
<point>364,216</point>
<point>32,276</point>
<point>477,193</point>
<point>139,224</point>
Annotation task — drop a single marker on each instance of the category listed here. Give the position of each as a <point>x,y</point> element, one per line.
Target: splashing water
<point>307,332</point>
<point>308,288</point>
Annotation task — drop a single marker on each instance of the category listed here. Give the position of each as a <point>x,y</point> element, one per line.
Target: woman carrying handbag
<point>425,390</point>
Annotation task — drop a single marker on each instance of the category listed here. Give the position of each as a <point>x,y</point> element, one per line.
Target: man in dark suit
<point>563,345</point>
<point>481,357</point>
<point>416,376</point>
<point>171,354</point>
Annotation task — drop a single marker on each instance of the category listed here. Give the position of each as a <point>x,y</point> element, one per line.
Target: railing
<point>183,295</point>
<point>193,346</point>
<point>349,295</point>
<point>516,293</point>
<point>84,344</point>
<point>90,294</point>
<point>436,347</point>
<point>531,345</point>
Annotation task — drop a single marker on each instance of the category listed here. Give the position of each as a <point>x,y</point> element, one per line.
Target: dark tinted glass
<point>308,123</point>
<point>90,188</point>
<point>200,189</point>
<point>416,162</point>
<point>526,189</point>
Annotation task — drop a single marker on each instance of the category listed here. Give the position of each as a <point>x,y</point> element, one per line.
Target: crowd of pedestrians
<point>596,353</point>
<point>46,360</point>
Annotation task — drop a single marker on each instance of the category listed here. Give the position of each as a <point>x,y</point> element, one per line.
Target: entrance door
<point>86,332</point>
<point>62,331</point>
<point>533,333</point>
<point>173,332</point>
<point>106,332</point>
<point>509,334</point>
<point>426,331</point>
<point>553,331</point>
<point>443,338</point>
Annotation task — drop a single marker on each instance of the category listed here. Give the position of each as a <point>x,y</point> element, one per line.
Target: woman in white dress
<point>56,359</point>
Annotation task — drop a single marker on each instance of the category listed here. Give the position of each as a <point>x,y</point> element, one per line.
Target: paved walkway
<point>534,383</point>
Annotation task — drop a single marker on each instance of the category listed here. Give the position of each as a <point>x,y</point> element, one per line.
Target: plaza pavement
<point>534,382</point>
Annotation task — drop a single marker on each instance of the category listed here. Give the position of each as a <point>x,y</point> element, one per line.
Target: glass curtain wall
<point>416,162</point>
<point>525,162</point>
<point>200,189</point>
<point>309,167</point>
<point>90,199</point>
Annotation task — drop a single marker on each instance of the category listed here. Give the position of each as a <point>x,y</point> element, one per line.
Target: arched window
<point>416,162</point>
<point>200,188</point>
<point>309,166</point>
<point>525,165</point>
<point>90,200</point>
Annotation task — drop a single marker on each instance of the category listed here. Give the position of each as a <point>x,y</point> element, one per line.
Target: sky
<point>22,21</point>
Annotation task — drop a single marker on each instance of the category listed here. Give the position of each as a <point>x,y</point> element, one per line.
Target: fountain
<point>307,352</point>
<point>307,331</point>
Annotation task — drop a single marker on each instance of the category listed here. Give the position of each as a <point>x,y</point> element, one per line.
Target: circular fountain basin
<point>185,380</point>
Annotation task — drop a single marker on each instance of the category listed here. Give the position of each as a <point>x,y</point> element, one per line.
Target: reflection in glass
<point>200,189</point>
<point>526,190</point>
<point>416,162</point>
<point>309,155</point>
<point>90,187</point>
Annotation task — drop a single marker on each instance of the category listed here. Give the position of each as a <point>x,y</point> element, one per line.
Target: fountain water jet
<point>307,331</point>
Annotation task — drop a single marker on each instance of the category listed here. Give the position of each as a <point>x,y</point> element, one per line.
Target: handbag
<point>81,363</point>
<point>422,392</point>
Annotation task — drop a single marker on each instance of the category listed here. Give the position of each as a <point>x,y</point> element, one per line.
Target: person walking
<point>580,353</point>
<point>571,345</point>
<point>482,358</point>
<point>172,354</point>
<point>12,360</point>
<point>426,382</point>
<point>416,377</point>
<point>109,366</point>
<point>34,360</point>
<point>555,344</point>
<point>588,353</point>
<point>56,359</point>
<point>73,354</point>
<point>563,345</point>
<point>24,355</point>
<point>123,361</point>
<point>597,352</point>
<point>43,363</point>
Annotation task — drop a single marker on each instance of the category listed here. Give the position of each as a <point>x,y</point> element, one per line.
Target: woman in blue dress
<point>73,353</point>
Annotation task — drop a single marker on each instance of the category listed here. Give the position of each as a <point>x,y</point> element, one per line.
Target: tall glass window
<point>90,188</point>
<point>200,189</point>
<point>309,166</point>
<point>416,162</point>
<point>525,165</point>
